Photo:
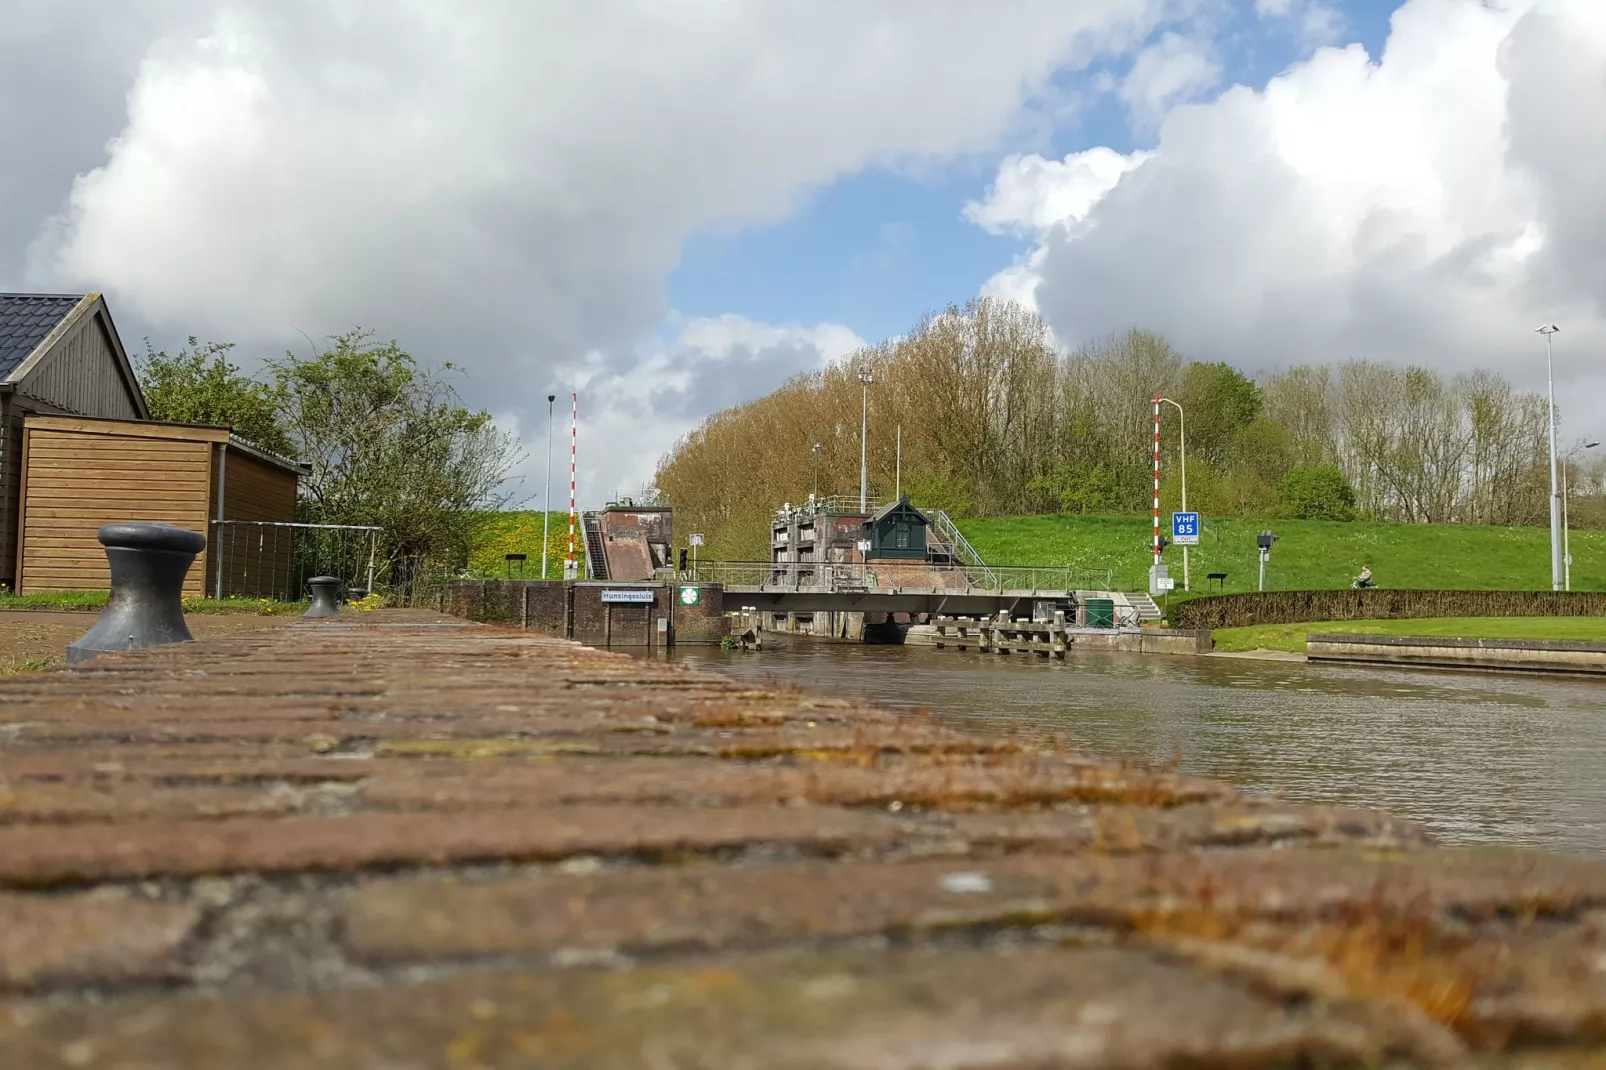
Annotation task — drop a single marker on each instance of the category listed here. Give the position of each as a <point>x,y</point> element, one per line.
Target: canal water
<point>1476,758</point>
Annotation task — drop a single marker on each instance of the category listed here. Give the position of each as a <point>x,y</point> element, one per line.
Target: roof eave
<point>299,467</point>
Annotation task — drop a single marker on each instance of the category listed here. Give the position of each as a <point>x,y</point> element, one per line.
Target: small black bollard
<point>146,608</point>
<point>325,597</point>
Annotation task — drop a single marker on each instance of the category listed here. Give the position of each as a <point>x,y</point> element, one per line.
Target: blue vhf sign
<point>1185,529</point>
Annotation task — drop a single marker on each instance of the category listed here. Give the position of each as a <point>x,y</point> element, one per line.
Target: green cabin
<point>896,532</point>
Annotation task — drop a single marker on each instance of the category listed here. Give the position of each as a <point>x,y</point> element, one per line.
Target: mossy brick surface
<point>399,840</point>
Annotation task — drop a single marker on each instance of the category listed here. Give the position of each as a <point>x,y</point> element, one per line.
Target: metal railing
<point>269,559</point>
<point>966,553</point>
<point>830,504</point>
<point>880,575</point>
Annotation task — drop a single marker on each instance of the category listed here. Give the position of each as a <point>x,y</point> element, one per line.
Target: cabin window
<point>900,537</point>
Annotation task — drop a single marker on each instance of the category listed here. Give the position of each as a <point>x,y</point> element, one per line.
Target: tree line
<point>996,420</point>
<point>387,440</point>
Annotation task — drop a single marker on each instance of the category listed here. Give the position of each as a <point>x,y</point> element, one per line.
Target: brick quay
<point>400,840</point>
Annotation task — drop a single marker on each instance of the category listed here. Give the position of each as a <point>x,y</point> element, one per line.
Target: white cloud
<point>508,184</point>
<point>631,410</point>
<point>1173,69</point>
<point>1032,194</point>
<point>1314,21</point>
<point>1431,207</point>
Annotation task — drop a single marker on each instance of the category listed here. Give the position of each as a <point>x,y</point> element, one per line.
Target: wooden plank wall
<point>257,561</point>
<point>10,485</point>
<point>82,374</point>
<point>73,482</point>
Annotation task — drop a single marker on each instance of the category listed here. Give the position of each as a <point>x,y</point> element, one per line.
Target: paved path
<point>396,841</point>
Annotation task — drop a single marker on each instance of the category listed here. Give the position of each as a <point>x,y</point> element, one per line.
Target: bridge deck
<point>971,600</point>
<point>401,841</point>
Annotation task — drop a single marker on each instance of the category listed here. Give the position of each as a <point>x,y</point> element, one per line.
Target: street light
<point>865,379</point>
<point>546,499</point>
<point>816,469</point>
<point>1550,330</point>
<point>1566,543</point>
<point>1182,442</point>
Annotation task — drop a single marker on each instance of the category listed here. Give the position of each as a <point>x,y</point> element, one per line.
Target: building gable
<point>79,366</point>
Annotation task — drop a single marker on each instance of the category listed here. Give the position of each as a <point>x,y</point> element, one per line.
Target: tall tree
<point>995,420</point>
<point>200,385</point>
<point>1219,401</point>
<point>390,444</point>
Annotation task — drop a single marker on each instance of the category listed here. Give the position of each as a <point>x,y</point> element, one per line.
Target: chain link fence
<point>265,559</point>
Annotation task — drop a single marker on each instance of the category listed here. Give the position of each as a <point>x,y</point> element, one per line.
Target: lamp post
<point>546,496</point>
<point>865,379</point>
<point>1182,442</point>
<point>816,469</point>
<point>1550,330</point>
<point>1566,543</point>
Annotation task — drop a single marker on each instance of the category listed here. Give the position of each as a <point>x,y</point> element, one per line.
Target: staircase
<point>1145,606</point>
<point>946,545</point>
<point>596,554</point>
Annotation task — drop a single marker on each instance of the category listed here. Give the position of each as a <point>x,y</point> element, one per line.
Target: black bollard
<point>325,597</point>
<point>146,608</point>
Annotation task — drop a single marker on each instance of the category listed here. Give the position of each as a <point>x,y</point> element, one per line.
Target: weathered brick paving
<point>398,841</point>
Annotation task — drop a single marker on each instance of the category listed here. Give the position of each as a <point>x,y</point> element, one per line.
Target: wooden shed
<point>60,355</point>
<point>79,473</point>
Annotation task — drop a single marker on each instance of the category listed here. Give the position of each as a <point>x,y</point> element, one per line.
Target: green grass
<point>1309,555</point>
<point>94,600</point>
<point>519,532</point>
<point>1291,637</point>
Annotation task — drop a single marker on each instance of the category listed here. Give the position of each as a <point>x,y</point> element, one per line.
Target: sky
<point>672,206</point>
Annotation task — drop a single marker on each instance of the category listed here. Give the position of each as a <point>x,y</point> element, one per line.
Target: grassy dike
<point>1291,637</point>
<point>518,531</point>
<point>1310,554</point>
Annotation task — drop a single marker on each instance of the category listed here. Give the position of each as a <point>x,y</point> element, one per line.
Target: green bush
<point>1316,492</point>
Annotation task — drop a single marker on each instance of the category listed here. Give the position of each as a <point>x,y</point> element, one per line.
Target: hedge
<point>1298,607</point>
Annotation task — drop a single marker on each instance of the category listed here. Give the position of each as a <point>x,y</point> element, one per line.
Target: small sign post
<point>695,540</point>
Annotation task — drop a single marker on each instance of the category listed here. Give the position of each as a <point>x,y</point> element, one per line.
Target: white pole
<point>546,495</point>
<point>1182,438</point>
<point>1566,543</point>
<point>897,478</point>
<point>864,432</point>
<point>1555,501</point>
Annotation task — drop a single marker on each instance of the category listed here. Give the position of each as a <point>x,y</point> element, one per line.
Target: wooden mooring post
<point>1000,635</point>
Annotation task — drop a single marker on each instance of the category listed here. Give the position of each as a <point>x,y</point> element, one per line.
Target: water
<point>1476,758</point>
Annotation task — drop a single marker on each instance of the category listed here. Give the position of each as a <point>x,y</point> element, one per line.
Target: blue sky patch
<point>877,250</point>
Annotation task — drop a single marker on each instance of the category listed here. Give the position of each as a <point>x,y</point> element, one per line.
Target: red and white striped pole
<point>570,569</point>
<point>1157,479</point>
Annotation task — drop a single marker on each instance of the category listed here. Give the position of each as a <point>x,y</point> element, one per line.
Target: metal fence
<point>263,559</point>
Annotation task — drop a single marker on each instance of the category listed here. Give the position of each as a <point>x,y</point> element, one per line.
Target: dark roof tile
<point>25,321</point>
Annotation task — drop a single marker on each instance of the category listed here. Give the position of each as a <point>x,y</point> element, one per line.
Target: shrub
<point>1316,492</point>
